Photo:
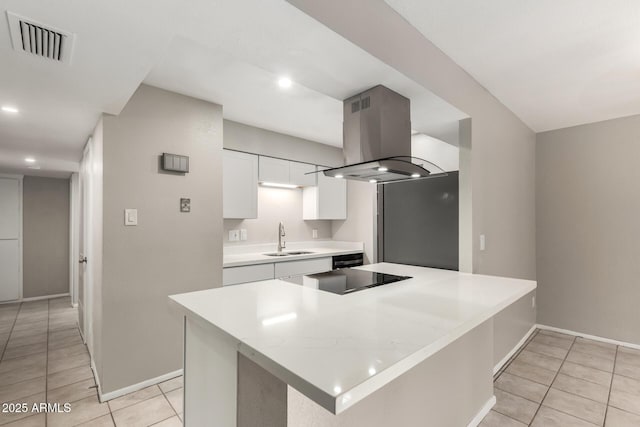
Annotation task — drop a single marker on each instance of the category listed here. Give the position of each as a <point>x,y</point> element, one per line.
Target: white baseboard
<point>45,297</point>
<point>513,351</point>
<point>483,412</point>
<point>135,387</point>
<point>35,298</point>
<point>96,377</point>
<point>591,337</point>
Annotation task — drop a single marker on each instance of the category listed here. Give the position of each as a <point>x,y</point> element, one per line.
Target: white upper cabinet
<point>298,174</point>
<point>327,200</point>
<point>274,170</point>
<point>281,171</point>
<point>239,185</point>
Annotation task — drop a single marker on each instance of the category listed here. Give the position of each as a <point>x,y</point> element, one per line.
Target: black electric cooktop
<point>345,281</point>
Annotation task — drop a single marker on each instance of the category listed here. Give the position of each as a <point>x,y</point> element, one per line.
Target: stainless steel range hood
<point>377,139</point>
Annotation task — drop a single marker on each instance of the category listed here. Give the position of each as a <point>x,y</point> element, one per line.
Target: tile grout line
<point>168,401</point>
<point>517,353</point>
<point>577,395</point>
<point>613,374</point>
<point>573,341</point>
<point>15,319</point>
<point>506,365</point>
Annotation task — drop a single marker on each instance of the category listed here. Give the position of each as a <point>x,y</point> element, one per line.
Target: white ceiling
<point>224,51</point>
<point>117,43</point>
<point>554,63</point>
<point>233,53</point>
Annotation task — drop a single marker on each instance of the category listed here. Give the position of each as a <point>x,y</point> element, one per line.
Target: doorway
<point>10,238</point>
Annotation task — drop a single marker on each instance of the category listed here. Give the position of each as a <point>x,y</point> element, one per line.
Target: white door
<point>84,279</point>
<point>10,234</point>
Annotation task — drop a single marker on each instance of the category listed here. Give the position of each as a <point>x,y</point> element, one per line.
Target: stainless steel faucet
<point>281,234</point>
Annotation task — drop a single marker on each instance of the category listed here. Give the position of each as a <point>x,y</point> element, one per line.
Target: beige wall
<point>275,205</point>
<point>588,228</point>
<point>169,252</point>
<point>46,236</point>
<point>241,137</point>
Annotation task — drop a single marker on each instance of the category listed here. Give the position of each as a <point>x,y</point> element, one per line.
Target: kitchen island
<point>413,353</point>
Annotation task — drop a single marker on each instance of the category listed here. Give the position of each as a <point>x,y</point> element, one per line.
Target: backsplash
<point>275,205</point>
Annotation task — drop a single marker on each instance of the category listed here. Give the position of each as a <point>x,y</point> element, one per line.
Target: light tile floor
<point>555,380</point>
<point>43,359</point>
<point>558,380</point>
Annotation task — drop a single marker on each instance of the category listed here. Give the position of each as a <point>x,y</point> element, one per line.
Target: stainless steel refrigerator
<point>418,222</point>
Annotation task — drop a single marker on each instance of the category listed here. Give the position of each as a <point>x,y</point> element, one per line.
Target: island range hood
<point>377,139</point>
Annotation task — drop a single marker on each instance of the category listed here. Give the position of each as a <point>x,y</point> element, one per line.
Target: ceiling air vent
<point>33,38</point>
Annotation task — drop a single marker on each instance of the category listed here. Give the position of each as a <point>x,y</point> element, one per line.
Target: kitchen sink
<point>288,253</point>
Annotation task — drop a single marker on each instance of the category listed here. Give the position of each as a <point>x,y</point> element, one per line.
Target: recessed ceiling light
<point>373,181</point>
<point>339,176</point>
<point>34,167</point>
<point>285,82</point>
<point>415,175</point>
<point>9,109</point>
<point>30,160</point>
<point>382,169</point>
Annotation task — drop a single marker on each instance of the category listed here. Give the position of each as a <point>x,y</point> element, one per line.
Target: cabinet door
<point>274,170</point>
<point>305,266</point>
<point>240,185</point>
<point>247,273</point>
<point>9,239</point>
<point>9,270</point>
<point>298,174</point>
<point>332,198</point>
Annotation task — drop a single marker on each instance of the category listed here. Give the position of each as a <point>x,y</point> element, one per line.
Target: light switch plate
<point>243,234</point>
<point>234,235</point>
<point>131,217</point>
<point>314,233</point>
<point>483,242</point>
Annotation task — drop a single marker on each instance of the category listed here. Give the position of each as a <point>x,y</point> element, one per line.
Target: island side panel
<point>510,326</point>
<point>449,389</point>
<point>262,398</point>
<point>210,376</point>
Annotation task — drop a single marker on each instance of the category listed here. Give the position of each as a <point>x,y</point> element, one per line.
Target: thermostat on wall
<point>175,163</point>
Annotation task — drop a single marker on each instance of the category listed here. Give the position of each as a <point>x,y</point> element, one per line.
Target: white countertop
<point>239,255</point>
<point>338,349</point>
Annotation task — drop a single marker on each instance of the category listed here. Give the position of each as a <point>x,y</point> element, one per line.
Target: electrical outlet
<point>234,235</point>
<point>314,233</point>
<point>533,301</point>
<point>243,234</point>
<point>131,217</point>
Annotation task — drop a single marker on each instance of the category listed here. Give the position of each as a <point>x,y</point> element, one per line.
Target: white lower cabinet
<point>247,273</point>
<point>304,266</point>
<point>257,272</point>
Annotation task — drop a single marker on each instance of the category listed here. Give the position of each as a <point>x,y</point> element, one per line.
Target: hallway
<point>43,359</point>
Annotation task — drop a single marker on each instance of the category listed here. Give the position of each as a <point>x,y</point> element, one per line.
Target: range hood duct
<point>377,139</point>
